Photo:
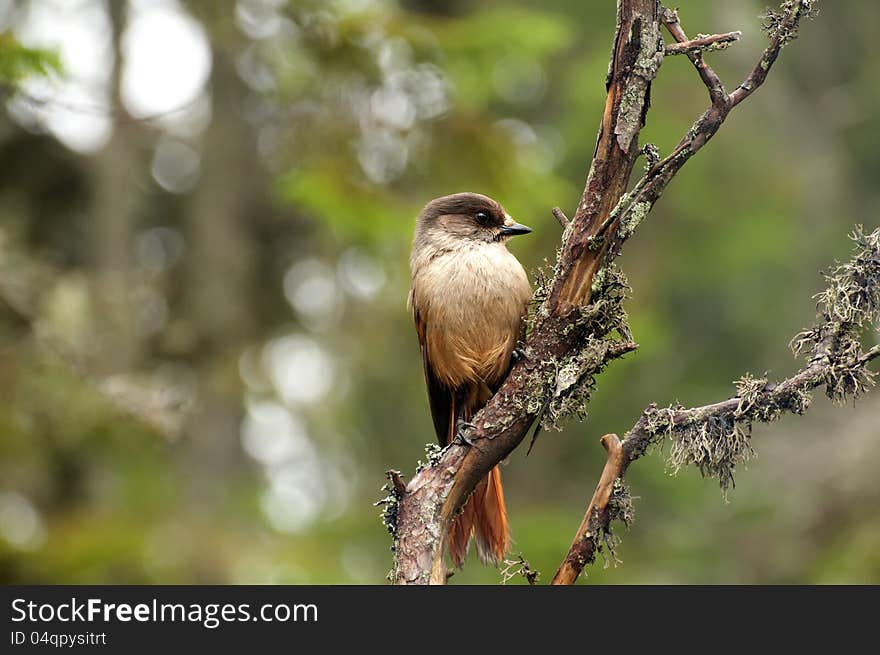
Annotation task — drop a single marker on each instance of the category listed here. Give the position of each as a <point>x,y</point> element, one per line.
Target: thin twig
<point>560,216</point>
<point>710,78</point>
<point>650,187</point>
<point>784,31</point>
<point>702,44</point>
<point>397,482</point>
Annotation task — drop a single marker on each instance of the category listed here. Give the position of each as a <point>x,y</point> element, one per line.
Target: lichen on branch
<point>782,24</point>
<point>577,326</point>
<point>717,438</point>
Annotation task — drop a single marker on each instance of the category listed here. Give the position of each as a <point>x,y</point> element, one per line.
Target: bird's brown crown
<point>466,215</point>
<point>468,205</point>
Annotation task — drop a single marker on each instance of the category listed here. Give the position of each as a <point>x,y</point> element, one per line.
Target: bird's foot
<point>461,428</point>
<point>518,353</point>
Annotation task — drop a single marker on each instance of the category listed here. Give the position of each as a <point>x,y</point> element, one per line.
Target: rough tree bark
<point>578,326</point>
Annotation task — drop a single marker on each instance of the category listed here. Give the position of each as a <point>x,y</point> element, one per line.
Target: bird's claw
<point>461,428</point>
<point>518,354</point>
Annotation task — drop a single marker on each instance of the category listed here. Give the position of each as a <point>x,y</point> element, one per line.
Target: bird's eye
<point>483,218</point>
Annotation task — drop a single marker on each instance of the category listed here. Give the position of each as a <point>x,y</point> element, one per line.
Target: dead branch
<point>635,61</point>
<point>717,437</point>
<point>398,486</point>
<point>583,548</point>
<point>579,325</point>
<point>560,216</point>
<point>713,83</point>
<point>702,44</point>
<point>518,567</point>
<point>782,27</point>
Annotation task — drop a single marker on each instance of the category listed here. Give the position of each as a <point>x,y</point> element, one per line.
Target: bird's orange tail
<point>485,517</point>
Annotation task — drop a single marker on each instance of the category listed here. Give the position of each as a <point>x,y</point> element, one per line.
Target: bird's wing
<point>521,339</point>
<point>440,397</point>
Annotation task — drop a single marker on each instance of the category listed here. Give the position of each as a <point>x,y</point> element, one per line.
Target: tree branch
<point>578,324</point>
<point>636,59</point>
<point>717,437</point>
<point>560,216</point>
<point>717,94</point>
<point>870,355</point>
<point>702,44</point>
<point>635,205</point>
<point>583,548</point>
<point>782,27</point>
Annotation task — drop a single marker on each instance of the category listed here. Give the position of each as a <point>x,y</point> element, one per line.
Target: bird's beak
<point>512,228</point>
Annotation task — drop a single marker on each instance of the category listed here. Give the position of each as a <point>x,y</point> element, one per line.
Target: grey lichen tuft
<point>755,404</point>
<point>847,378</point>
<point>620,505</point>
<point>599,326</point>
<point>390,505</point>
<point>605,313</point>
<point>715,446</point>
<point>607,548</point>
<point>595,242</point>
<point>849,303</point>
<point>805,341</point>
<point>660,421</point>
<point>652,155</point>
<point>433,452</point>
<point>853,293</point>
<point>799,401</point>
<point>631,219</point>
<point>574,384</point>
<point>543,282</point>
<point>748,390</point>
<point>518,567</point>
<point>634,99</point>
<point>783,23</point>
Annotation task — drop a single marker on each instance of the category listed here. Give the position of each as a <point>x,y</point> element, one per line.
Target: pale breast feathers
<point>470,305</point>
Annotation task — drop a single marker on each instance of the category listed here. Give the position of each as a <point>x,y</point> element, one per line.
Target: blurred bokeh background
<point>206,363</point>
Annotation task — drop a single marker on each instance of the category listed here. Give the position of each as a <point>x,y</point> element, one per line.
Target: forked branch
<point>578,325</point>
<point>716,438</point>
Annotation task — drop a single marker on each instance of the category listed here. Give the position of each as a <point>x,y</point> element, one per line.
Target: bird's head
<point>466,216</point>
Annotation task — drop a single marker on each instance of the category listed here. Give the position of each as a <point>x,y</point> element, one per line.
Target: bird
<point>469,296</point>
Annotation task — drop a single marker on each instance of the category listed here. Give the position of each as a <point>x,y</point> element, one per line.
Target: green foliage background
<point>121,434</point>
